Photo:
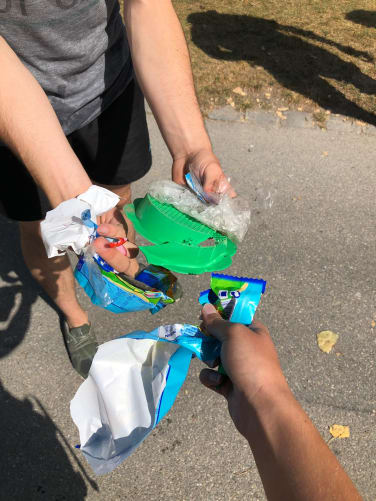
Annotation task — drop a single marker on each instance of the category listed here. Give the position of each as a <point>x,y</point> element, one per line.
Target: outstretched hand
<point>251,363</point>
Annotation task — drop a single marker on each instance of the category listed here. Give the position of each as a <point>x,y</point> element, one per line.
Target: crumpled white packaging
<point>119,399</point>
<point>63,227</point>
<point>230,216</point>
<point>132,384</point>
<point>99,199</point>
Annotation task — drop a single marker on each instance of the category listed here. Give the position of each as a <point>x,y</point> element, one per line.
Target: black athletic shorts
<point>114,149</point>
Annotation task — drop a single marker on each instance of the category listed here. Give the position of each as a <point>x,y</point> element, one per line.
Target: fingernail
<point>208,309</point>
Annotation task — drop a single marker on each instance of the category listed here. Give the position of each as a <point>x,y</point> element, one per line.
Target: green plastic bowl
<point>183,244</point>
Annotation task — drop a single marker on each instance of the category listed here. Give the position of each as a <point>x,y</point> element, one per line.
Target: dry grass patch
<point>309,55</point>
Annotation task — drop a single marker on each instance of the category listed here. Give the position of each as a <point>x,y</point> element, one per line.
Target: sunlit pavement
<point>315,247</point>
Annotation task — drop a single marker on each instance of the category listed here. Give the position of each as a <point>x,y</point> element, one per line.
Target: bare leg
<point>53,274</point>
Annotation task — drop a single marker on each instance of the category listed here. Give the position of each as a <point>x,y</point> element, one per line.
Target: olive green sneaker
<point>81,346</point>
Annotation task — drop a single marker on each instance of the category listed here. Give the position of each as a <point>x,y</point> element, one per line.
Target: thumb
<point>178,174</point>
<point>215,381</point>
<point>116,259</point>
<point>213,323</point>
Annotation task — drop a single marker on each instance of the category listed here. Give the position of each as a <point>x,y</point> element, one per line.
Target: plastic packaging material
<point>64,226</point>
<point>235,298</point>
<point>95,277</point>
<point>159,278</point>
<point>230,216</point>
<point>72,225</point>
<point>152,289</point>
<point>132,384</point>
<point>210,198</point>
<point>196,187</point>
<point>183,244</point>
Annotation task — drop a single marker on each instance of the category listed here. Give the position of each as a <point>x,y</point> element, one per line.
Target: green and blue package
<point>235,298</point>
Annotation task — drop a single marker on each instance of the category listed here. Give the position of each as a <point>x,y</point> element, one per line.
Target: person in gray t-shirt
<point>86,62</point>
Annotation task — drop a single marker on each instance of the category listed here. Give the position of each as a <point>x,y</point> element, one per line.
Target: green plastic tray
<point>178,237</point>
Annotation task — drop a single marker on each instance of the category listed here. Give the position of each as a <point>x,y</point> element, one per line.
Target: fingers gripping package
<point>72,225</point>
<point>132,384</point>
<point>235,298</point>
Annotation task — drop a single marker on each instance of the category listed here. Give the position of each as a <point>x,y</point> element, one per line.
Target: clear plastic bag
<point>230,216</point>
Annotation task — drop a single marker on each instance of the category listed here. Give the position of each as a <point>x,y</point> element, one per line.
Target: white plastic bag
<point>63,227</point>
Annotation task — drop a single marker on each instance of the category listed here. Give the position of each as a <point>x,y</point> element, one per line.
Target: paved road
<point>316,249</point>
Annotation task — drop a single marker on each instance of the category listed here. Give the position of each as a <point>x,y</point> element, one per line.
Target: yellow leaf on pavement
<point>326,340</point>
<point>230,101</point>
<point>373,324</point>
<point>339,431</point>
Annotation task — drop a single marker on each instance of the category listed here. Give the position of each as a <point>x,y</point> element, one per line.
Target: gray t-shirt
<point>76,49</point>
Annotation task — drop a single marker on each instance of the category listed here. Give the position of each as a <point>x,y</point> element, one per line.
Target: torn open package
<point>132,384</point>
<point>73,225</point>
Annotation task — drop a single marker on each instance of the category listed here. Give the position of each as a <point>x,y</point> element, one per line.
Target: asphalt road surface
<point>315,247</point>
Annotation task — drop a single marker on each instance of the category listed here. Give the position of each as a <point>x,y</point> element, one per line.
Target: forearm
<point>161,61</point>
<point>293,460</point>
<point>29,126</point>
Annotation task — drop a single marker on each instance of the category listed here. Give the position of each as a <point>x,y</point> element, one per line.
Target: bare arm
<point>293,460</point>
<point>29,126</point>
<point>161,61</point>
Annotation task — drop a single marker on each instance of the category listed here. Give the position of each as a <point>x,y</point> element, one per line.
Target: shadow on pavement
<point>33,462</point>
<point>295,63</point>
<point>18,290</point>
<point>365,17</point>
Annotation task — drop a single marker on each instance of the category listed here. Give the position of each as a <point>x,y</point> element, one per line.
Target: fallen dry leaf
<point>267,95</point>
<point>373,324</point>
<point>283,109</point>
<point>230,101</point>
<point>240,91</point>
<point>326,340</point>
<point>280,115</point>
<point>339,431</point>
<point>324,153</point>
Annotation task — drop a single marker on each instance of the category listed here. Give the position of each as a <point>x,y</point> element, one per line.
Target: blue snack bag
<point>235,298</point>
<point>152,288</point>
